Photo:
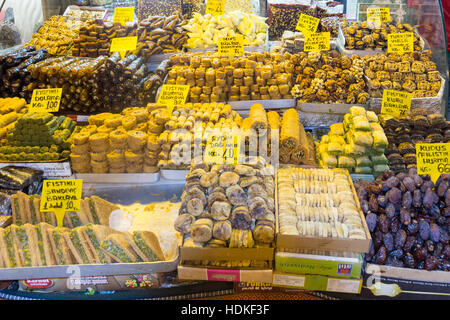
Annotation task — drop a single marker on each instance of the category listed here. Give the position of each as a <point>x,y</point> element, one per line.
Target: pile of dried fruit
<point>409,220</point>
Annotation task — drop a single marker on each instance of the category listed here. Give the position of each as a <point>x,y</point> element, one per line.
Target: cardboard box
<point>94,283</point>
<point>317,283</point>
<point>385,282</point>
<point>289,241</point>
<point>339,266</point>
<point>230,275</point>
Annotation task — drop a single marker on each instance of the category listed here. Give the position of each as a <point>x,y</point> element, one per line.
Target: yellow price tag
<point>215,7</point>
<point>60,196</point>
<point>307,24</point>
<point>400,42</point>
<point>231,46</point>
<point>396,103</point>
<point>173,95</point>
<point>433,159</point>
<point>378,15</point>
<point>222,149</point>
<point>45,100</point>
<point>317,42</point>
<point>123,44</point>
<point>123,15</point>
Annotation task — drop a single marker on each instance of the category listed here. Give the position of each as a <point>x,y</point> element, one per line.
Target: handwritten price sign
<point>222,149</point>
<point>396,103</point>
<point>45,100</point>
<point>433,159</point>
<point>60,196</point>
<point>317,42</point>
<point>173,95</point>
<point>215,7</point>
<point>378,15</point>
<point>123,15</point>
<point>400,42</point>
<point>307,24</point>
<point>231,46</point>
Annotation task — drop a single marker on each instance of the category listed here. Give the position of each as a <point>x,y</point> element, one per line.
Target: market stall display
<point>215,78</point>
<point>411,72</point>
<point>284,16</point>
<point>14,70</point>
<point>55,35</point>
<point>160,35</point>
<point>119,143</point>
<point>403,134</point>
<point>408,218</point>
<point>10,110</point>
<point>38,136</point>
<point>358,144</point>
<point>362,35</point>
<point>228,206</point>
<point>204,30</point>
<point>329,77</point>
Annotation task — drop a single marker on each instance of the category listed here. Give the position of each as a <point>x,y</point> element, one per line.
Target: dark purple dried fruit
<point>371,219</point>
<point>407,200</point>
<point>409,184</point>
<point>430,198</point>
<point>397,253</point>
<point>383,223</point>
<point>447,198</point>
<point>377,239</point>
<point>442,188</point>
<point>381,255</point>
<point>434,211</point>
<point>362,192</point>
<point>394,195</point>
<point>446,251</point>
<point>413,227</point>
<point>384,187</point>
<point>429,245</point>
<point>427,185</point>
<point>420,254</point>
<point>371,253</point>
<point>390,210</point>
<point>365,206</point>
<point>438,250</point>
<point>387,174</point>
<point>405,217</point>
<point>408,259</point>
<point>446,212</point>
<point>412,172</point>
<point>392,182</point>
<point>400,176</point>
<point>431,263</point>
<point>409,243</point>
<point>400,239</point>
<point>417,198</point>
<point>395,225</point>
<point>373,203</point>
<point>373,188</point>
<point>424,229</point>
<point>382,200</point>
<point>418,181</point>
<point>388,241</point>
<point>434,232</point>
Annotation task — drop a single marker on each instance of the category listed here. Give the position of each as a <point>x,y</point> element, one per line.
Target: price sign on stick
<point>400,42</point>
<point>45,100</point>
<point>433,159</point>
<point>172,95</point>
<point>123,45</point>
<point>378,15</point>
<point>222,149</point>
<point>231,46</point>
<point>215,7</point>
<point>307,24</point>
<point>396,103</point>
<point>123,15</point>
<point>60,196</point>
<point>317,42</point>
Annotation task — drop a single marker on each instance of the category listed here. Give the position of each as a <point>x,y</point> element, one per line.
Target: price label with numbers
<point>61,196</point>
<point>317,42</point>
<point>222,149</point>
<point>396,103</point>
<point>215,7</point>
<point>400,42</point>
<point>307,24</point>
<point>173,95</point>
<point>45,100</point>
<point>378,15</point>
<point>123,15</point>
<point>123,45</point>
<point>433,159</point>
<point>231,46</point>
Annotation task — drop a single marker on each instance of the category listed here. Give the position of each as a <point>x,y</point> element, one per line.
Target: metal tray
<point>177,175</point>
<point>135,178</point>
<point>124,194</point>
